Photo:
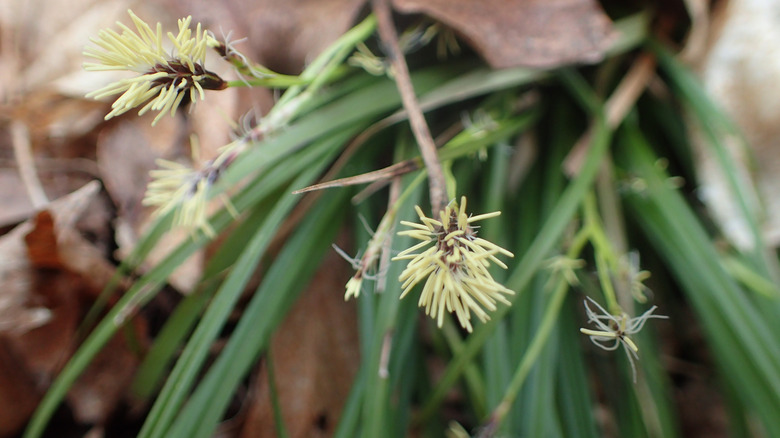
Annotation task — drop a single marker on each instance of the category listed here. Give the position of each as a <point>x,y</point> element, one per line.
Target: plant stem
<point>537,344</point>
<point>420,129</point>
<point>604,253</point>
<point>325,68</point>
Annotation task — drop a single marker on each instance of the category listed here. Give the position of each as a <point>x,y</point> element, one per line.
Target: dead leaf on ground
<point>18,397</point>
<point>39,78</point>
<point>16,276</point>
<point>103,385</point>
<point>532,33</point>
<point>283,36</point>
<point>16,203</point>
<point>49,275</point>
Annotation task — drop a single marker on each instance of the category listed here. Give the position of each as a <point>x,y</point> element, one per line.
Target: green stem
<point>604,255</point>
<point>530,357</point>
<point>407,192</point>
<point>473,377</point>
<point>377,407</point>
<point>547,237</point>
<point>748,276</point>
<point>316,74</point>
<point>540,339</point>
<point>327,67</point>
<point>277,81</point>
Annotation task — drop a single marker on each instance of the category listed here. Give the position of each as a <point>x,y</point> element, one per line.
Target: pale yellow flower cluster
<point>164,79</point>
<point>178,187</point>
<point>186,191</point>
<point>454,267</point>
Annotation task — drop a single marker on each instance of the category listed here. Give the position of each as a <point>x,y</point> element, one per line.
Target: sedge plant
<point>537,172</point>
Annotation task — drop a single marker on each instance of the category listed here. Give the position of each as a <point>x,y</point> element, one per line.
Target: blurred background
<point>695,81</point>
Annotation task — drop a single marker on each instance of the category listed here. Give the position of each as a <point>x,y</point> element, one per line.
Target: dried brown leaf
<point>42,251</point>
<point>16,270</point>
<point>533,33</point>
<point>40,62</point>
<point>284,36</point>
<point>49,275</point>
<point>103,385</point>
<point>44,283</point>
<point>16,204</point>
<point>18,395</point>
<point>385,174</point>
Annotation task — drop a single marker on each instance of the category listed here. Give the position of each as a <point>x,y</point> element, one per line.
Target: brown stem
<point>420,129</point>
<point>20,138</point>
<point>617,106</point>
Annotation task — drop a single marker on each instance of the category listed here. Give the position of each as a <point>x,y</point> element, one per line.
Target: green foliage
<point>528,371</point>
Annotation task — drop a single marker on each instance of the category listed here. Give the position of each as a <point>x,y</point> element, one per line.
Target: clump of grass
<point>525,368</point>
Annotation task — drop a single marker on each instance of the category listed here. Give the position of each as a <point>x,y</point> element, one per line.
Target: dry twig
<point>24,159</point>
<point>617,107</point>
<point>403,81</point>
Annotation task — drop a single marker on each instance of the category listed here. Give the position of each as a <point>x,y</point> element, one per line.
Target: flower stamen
<point>617,330</point>
<point>165,79</point>
<point>455,267</point>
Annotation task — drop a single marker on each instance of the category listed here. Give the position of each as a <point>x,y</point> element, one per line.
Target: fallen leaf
<point>16,277</point>
<point>43,350</point>
<point>18,395</point>
<point>16,204</point>
<point>103,385</point>
<point>39,77</point>
<point>54,118</point>
<point>532,33</point>
<point>49,275</point>
<point>39,311</point>
<point>283,36</point>
<point>42,251</point>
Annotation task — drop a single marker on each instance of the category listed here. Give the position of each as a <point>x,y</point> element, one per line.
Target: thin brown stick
<point>384,358</point>
<point>387,173</point>
<point>20,138</point>
<point>403,81</point>
<point>617,107</point>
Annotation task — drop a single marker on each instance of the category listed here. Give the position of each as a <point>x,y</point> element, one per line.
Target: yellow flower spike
<point>176,187</point>
<point>455,268</point>
<point>353,287</point>
<point>186,191</point>
<point>165,78</point>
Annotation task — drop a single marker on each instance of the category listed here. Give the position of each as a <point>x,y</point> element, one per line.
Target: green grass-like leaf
<point>283,281</point>
<point>528,371</point>
<point>746,352</point>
